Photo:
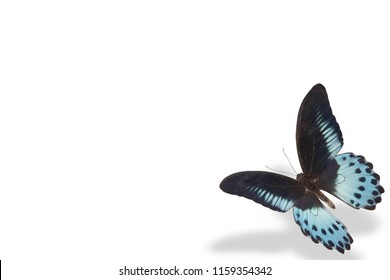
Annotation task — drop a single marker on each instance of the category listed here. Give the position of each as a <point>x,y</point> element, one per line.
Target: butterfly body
<point>347,176</point>
<point>312,185</point>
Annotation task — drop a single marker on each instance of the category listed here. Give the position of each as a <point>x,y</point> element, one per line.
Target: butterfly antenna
<point>289,161</point>
<point>279,171</point>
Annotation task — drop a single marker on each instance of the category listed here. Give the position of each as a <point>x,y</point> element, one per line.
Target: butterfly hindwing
<point>318,223</point>
<point>352,179</point>
<point>318,135</point>
<point>274,191</point>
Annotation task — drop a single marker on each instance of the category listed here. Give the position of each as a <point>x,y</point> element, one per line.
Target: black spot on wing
<point>357,195</point>
<point>358,171</point>
<point>327,246</point>
<point>341,250</point>
<point>350,238</point>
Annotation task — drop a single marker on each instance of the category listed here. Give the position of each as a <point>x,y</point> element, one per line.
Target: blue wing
<point>274,191</point>
<point>318,135</point>
<point>352,179</point>
<point>318,223</point>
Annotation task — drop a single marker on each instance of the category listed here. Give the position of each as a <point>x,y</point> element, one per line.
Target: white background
<point>119,119</point>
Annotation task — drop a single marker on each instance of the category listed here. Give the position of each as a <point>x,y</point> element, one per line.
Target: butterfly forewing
<point>318,135</point>
<point>274,191</point>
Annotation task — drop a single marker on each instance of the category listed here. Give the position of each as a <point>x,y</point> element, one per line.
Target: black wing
<point>318,135</point>
<point>274,191</point>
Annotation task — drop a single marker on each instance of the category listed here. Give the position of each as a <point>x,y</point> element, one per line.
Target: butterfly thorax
<point>312,185</point>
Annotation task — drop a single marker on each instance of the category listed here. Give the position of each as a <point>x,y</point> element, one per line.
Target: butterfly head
<point>300,177</point>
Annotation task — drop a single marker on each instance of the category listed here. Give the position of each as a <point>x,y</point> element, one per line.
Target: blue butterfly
<point>347,176</point>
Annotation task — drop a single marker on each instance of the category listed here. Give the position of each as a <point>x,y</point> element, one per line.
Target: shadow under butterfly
<point>347,176</point>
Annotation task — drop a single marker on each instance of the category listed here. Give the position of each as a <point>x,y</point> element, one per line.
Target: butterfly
<point>347,176</point>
